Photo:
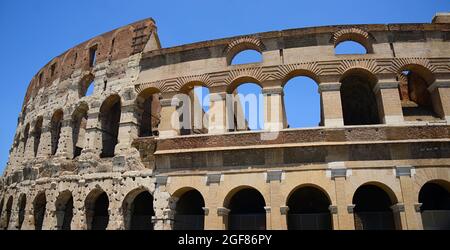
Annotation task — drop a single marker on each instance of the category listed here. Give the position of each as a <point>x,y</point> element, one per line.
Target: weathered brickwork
<point>113,160</point>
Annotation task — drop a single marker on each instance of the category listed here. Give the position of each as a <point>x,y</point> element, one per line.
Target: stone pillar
<point>388,101</point>
<point>29,147</point>
<point>212,219</point>
<point>398,210</point>
<point>65,143</point>
<point>413,218</point>
<point>344,220</point>
<point>93,133</point>
<point>334,216</point>
<point>440,94</point>
<point>115,217</point>
<point>45,143</point>
<point>284,212</point>
<point>164,206</point>
<point>128,128</point>
<point>217,115</point>
<point>169,125</point>
<point>274,110</point>
<point>330,97</point>
<point>274,218</point>
<point>223,213</point>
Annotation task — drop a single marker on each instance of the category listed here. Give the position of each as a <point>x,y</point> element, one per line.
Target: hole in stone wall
<point>350,47</point>
<point>247,56</point>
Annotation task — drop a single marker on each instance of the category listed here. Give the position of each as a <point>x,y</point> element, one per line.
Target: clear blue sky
<point>33,32</point>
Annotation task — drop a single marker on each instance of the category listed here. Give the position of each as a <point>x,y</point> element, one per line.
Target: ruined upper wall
<point>111,46</point>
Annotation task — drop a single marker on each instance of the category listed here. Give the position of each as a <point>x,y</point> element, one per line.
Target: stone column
<point>388,101</point>
<point>284,212</point>
<point>45,143</point>
<point>274,110</point>
<point>440,94</point>
<point>212,219</point>
<point>413,218</point>
<point>217,115</point>
<point>128,128</point>
<point>274,218</point>
<point>169,125</point>
<point>223,213</point>
<point>330,97</point>
<point>65,143</point>
<point>398,210</point>
<point>93,133</point>
<point>164,206</point>
<point>334,216</point>
<point>344,220</point>
<point>29,147</point>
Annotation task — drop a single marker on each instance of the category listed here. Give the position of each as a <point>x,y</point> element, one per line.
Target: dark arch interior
<point>100,217</point>
<point>189,211</point>
<point>22,204</point>
<point>110,119</point>
<point>373,209</point>
<point>67,208</point>
<point>79,122</point>
<point>37,135</point>
<point>39,211</point>
<point>309,210</point>
<point>359,105</point>
<point>247,211</point>
<point>56,125</point>
<point>142,212</point>
<point>435,207</point>
<point>8,211</point>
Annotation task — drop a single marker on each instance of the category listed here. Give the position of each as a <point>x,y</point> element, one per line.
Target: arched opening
<point>350,48</point>
<point>302,102</point>
<point>79,122</point>
<point>247,210</point>
<point>309,210</point>
<point>372,209</point>
<point>37,135</point>
<point>8,211</point>
<point>110,112</point>
<point>64,210</point>
<point>245,111</point>
<point>86,86</point>
<point>417,103</point>
<point>189,213</point>
<point>198,106</point>
<point>138,211</point>
<point>39,206</point>
<point>148,109</point>
<point>56,124</point>
<point>26,133</point>
<point>247,56</point>
<point>359,104</point>
<point>97,213</point>
<point>435,209</point>
<point>22,205</point>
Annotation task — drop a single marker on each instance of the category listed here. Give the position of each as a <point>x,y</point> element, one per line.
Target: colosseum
<point>121,156</point>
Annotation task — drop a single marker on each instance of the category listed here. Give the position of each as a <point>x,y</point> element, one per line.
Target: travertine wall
<point>399,154</point>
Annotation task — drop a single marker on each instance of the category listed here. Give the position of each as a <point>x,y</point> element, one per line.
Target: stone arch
<point>148,111</point>
<point>85,83</point>
<point>359,104</point>
<point>237,119</point>
<point>64,210</point>
<point>246,209</point>
<point>109,118</point>
<point>309,208</point>
<point>417,101</point>
<point>241,44</point>
<point>189,210</point>
<point>21,209</point>
<point>137,209</point>
<point>353,34</point>
<point>55,129</point>
<point>197,92</point>
<point>434,197</point>
<point>39,210</point>
<point>79,123</point>
<point>97,210</point>
<point>301,98</point>
<point>8,211</point>
<point>37,134</point>
<point>373,203</point>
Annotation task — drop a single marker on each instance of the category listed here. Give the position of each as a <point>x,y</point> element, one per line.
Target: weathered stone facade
<point>71,151</point>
